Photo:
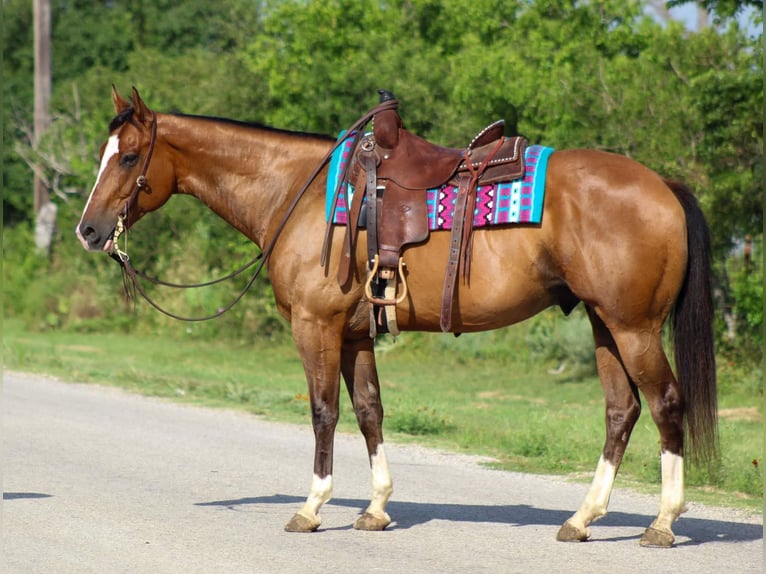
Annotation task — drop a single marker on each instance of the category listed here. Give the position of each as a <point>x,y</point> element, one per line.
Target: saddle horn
<point>385,95</point>
<point>386,124</point>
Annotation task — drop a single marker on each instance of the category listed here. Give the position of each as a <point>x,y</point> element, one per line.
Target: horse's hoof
<point>657,538</point>
<point>368,521</point>
<point>301,523</point>
<point>570,533</point>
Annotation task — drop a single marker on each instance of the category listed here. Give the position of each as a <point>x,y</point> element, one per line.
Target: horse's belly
<point>503,286</point>
<point>473,309</point>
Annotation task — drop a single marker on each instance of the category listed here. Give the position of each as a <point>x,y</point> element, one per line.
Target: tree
<point>566,73</point>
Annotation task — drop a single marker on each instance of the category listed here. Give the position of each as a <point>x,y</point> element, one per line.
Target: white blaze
<point>112,148</point>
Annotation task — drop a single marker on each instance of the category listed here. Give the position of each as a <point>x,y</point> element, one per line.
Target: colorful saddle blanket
<point>518,201</point>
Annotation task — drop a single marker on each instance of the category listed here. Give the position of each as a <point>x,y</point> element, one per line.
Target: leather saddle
<point>394,168</point>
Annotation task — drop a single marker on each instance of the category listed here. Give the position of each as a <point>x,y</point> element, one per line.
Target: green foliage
<point>419,422</point>
<point>563,343</point>
<point>748,292</point>
<point>730,102</point>
<point>565,73</point>
<point>740,324</point>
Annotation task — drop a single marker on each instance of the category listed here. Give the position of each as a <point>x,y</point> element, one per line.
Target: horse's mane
<point>127,115</point>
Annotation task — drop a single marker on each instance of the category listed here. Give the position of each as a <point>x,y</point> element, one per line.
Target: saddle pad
<point>518,201</point>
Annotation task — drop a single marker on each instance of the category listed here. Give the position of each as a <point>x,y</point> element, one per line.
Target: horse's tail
<point>693,335</point>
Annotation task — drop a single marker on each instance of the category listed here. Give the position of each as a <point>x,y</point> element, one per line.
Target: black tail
<point>693,336</point>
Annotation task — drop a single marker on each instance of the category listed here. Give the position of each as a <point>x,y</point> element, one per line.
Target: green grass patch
<point>460,394</point>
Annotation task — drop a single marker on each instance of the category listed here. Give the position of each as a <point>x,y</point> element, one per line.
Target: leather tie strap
<point>461,235</point>
<point>370,167</point>
<point>456,240</point>
<point>352,230</point>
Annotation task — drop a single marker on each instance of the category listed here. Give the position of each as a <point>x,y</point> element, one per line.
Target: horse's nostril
<point>90,234</point>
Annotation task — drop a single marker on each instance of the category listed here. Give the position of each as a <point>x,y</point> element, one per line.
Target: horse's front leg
<point>361,376</point>
<point>319,346</point>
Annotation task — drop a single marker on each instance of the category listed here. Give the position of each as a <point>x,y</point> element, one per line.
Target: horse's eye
<point>129,160</point>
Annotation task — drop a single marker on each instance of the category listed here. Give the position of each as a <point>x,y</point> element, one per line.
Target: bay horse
<point>633,247</point>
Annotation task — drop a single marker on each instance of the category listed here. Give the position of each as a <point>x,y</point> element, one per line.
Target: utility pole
<point>45,210</point>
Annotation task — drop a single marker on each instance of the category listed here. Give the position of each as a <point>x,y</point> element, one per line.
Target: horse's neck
<point>247,175</point>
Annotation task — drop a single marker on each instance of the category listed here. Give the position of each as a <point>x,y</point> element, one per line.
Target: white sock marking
<point>321,492</point>
<point>597,500</point>
<point>672,498</point>
<point>382,485</point>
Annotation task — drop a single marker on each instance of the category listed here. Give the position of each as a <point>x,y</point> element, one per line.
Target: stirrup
<point>390,313</point>
<point>371,275</point>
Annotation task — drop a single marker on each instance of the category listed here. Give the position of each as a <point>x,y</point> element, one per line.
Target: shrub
<point>564,342</point>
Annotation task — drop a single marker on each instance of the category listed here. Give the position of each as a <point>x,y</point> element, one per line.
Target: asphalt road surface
<point>99,480</point>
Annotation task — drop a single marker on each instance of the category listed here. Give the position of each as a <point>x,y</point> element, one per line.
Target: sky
<point>688,15</point>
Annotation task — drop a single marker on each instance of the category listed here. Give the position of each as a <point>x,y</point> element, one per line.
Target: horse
<point>633,247</point>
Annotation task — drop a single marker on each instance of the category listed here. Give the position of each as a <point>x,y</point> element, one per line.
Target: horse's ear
<point>141,111</point>
<point>120,103</point>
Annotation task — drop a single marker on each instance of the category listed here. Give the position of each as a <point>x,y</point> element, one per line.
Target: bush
<point>75,290</point>
<point>747,286</point>
<point>421,421</point>
<point>739,320</point>
<point>566,343</point>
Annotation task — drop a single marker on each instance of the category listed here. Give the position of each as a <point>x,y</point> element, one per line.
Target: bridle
<point>141,183</point>
<point>130,274</point>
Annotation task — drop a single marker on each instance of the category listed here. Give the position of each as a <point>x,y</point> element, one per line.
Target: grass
<point>437,391</point>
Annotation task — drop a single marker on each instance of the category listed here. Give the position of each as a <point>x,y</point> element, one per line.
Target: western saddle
<point>392,169</point>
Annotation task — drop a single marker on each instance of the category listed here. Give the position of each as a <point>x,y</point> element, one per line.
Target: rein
<point>130,274</point>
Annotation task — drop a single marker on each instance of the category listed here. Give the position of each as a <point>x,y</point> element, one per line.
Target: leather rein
<point>131,275</point>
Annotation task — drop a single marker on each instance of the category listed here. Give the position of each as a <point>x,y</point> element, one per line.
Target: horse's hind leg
<point>643,358</point>
<point>361,376</point>
<point>622,411</point>
<point>648,366</point>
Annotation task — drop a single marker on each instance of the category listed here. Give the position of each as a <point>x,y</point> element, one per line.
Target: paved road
<point>98,480</point>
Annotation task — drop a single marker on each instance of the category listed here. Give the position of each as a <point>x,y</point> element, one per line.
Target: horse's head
<point>133,178</point>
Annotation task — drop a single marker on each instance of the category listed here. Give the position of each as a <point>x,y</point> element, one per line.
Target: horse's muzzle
<point>92,239</point>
